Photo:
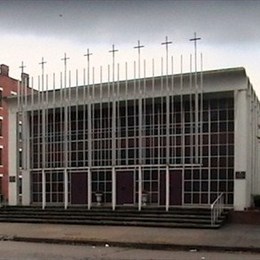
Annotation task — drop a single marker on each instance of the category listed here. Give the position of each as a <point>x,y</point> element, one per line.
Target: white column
<point>113,188</point>
<point>167,201</point>
<point>43,190</point>
<point>26,152</point>
<point>89,188</point>
<point>139,188</point>
<point>65,189</point>
<point>12,158</point>
<point>241,150</point>
<point>26,187</point>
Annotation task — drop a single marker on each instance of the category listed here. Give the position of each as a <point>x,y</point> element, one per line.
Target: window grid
<point>215,150</point>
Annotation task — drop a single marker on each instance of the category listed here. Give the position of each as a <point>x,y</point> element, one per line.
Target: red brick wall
<point>7,84</point>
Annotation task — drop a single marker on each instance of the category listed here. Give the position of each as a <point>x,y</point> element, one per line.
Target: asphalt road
<point>22,250</point>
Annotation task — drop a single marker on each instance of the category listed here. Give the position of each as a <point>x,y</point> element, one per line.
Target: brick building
<point>8,87</point>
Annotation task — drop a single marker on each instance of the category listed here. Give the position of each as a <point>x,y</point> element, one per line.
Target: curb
<point>150,246</point>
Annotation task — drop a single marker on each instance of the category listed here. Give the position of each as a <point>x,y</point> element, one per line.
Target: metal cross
<point>113,52</point>
<point>139,54</point>
<point>139,47</point>
<point>65,68</point>
<point>88,54</point>
<point>22,67</point>
<point>42,63</point>
<point>195,39</point>
<point>113,57</point>
<point>65,60</point>
<point>166,43</point>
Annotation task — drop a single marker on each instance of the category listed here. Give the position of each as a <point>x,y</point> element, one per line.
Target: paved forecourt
<point>230,237</point>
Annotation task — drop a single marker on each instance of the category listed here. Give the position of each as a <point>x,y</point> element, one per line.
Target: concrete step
<point>106,216</point>
<point>101,214</point>
<point>202,211</point>
<point>114,218</point>
<point>114,223</point>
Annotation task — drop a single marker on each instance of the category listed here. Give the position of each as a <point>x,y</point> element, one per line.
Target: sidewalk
<point>232,237</point>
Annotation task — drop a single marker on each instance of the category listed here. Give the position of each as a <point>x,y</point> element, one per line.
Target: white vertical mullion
<point>89,188</point>
<point>113,188</point>
<point>66,125</point>
<point>118,122</point>
<point>54,125</point>
<point>77,120</point>
<point>201,126</point>
<point>126,115</point>
<point>167,123</point>
<point>209,152</point>
<point>65,188</point>
<point>84,118</point>
<point>101,118</point>
<point>47,126</point>
<point>167,179</point>
<point>89,129</point>
<point>43,189</point>
<point>43,147</point>
<point>139,187</point>
<point>153,117</point>
<point>182,117</point>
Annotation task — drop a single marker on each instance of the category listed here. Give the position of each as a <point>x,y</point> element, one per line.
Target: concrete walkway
<point>232,237</point>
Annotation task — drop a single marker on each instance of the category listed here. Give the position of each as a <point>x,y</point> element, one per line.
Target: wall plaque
<point>12,178</point>
<point>240,175</point>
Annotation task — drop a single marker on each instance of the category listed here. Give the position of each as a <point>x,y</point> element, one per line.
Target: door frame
<point>121,171</point>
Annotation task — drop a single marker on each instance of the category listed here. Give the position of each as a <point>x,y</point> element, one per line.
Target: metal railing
<point>217,207</point>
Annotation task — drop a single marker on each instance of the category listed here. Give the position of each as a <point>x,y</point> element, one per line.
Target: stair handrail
<point>217,207</point>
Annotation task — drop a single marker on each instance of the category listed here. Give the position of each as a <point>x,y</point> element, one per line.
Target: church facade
<point>174,140</point>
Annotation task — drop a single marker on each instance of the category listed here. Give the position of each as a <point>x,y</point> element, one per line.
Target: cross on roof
<point>139,47</point>
<point>166,43</point>
<point>113,57</point>
<point>65,59</point>
<point>22,66</point>
<point>195,39</point>
<point>113,49</point>
<point>113,52</point>
<point>42,63</point>
<point>88,54</point>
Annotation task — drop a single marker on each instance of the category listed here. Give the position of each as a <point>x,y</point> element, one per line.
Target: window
<point>20,158</point>
<point>1,126</point>
<point>1,97</point>
<point>20,131</point>
<point>1,156</point>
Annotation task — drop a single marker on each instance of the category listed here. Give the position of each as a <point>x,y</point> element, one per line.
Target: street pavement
<point>231,237</point>
<point>43,251</point>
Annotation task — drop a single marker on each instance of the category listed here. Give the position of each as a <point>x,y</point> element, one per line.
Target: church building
<point>163,141</point>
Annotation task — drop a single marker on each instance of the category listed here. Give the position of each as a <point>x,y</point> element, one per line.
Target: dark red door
<point>79,188</point>
<point>125,187</point>
<point>175,187</point>
<point>175,182</point>
<point>162,187</point>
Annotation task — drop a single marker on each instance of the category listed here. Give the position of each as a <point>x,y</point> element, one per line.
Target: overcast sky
<point>32,29</point>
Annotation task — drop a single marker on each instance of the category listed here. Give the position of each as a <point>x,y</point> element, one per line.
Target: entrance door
<point>162,187</point>
<point>79,188</point>
<point>175,187</point>
<point>125,187</point>
<point>175,182</point>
